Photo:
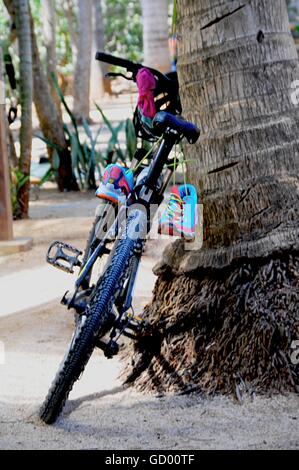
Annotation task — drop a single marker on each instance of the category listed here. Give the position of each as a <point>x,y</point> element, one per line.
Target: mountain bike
<point>102,301</point>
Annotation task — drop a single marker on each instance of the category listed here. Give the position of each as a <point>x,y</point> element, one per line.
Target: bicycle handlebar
<point>133,67</point>
<point>110,59</point>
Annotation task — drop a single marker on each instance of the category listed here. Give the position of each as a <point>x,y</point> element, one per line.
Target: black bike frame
<point>145,196</point>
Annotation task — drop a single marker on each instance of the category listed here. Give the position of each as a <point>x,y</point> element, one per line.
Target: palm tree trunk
<point>6,229</point>
<point>49,30</point>
<point>155,34</point>
<point>26,86</point>
<point>83,64</point>
<point>246,162</point>
<point>225,317</point>
<point>99,85</point>
<point>13,159</point>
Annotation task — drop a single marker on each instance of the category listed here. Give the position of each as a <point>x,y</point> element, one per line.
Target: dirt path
<point>100,414</point>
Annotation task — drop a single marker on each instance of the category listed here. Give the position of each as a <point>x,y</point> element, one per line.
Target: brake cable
<point>113,74</point>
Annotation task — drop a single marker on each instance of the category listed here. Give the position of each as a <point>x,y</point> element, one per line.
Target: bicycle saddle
<point>164,120</point>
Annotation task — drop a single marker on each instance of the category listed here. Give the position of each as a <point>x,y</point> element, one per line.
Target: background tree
<point>6,230</point>
<point>49,37</point>
<point>83,64</point>
<point>224,318</point>
<point>123,36</point>
<point>22,21</point>
<point>70,14</point>
<point>155,34</point>
<point>99,85</point>
<point>50,122</point>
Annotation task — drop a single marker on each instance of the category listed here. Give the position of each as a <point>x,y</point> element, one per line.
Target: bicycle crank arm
<point>109,349</point>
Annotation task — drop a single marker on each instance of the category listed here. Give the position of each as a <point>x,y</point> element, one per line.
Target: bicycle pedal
<point>64,257</point>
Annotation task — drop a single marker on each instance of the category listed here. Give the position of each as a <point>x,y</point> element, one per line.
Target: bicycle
<point>103,309</point>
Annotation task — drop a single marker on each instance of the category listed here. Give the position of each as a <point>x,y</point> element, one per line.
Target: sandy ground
<point>35,329</point>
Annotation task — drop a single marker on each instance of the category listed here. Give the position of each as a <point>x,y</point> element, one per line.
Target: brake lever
<point>112,74</point>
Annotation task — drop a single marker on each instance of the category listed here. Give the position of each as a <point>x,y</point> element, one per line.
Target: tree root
<point>228,331</point>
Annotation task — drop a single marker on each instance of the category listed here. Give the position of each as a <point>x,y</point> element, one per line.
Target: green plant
<point>131,139</point>
<point>84,158</point>
<point>114,150</point>
<point>87,158</point>
<point>18,179</point>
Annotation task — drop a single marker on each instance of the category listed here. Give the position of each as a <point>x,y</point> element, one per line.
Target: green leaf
<point>99,170</point>
<point>75,156</point>
<point>46,177</point>
<point>66,129</point>
<point>120,155</point>
<point>62,99</point>
<point>131,139</point>
<point>113,141</point>
<point>55,160</point>
<point>87,129</point>
<point>49,143</point>
<point>114,131</point>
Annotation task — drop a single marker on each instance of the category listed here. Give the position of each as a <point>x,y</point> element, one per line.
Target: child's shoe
<point>189,219</point>
<point>117,183</point>
<point>180,217</point>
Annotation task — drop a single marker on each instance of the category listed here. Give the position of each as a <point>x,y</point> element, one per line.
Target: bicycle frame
<point>147,196</point>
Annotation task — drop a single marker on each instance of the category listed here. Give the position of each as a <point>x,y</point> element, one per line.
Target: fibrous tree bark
<point>83,63</point>
<point>155,34</point>
<point>225,318</point>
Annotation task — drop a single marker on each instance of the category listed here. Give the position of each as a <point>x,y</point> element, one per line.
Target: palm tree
<point>155,34</point>
<point>49,37</point>
<point>83,63</point>
<point>22,16</point>
<point>6,231</point>
<point>225,317</point>
<point>99,85</point>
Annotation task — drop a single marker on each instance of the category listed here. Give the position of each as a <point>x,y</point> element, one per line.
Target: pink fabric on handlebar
<point>146,83</point>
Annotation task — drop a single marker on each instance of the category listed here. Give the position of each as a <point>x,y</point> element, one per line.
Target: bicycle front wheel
<point>93,321</point>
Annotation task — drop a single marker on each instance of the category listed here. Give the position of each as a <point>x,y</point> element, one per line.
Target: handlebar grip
<point>111,59</point>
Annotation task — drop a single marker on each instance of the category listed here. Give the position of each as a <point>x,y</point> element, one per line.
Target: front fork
<point>124,323</point>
